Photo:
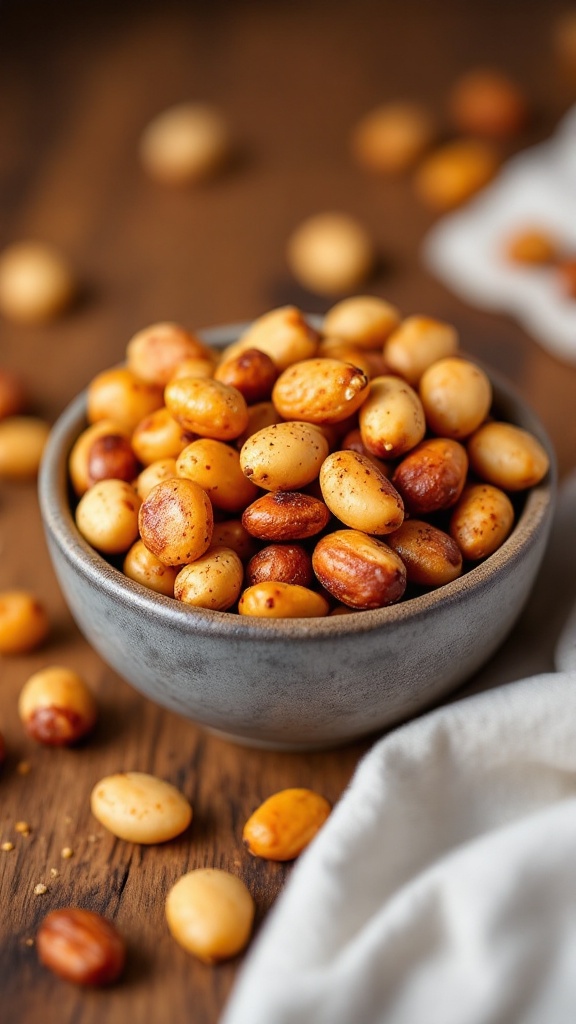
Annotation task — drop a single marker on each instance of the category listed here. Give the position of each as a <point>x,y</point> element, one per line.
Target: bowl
<point>294,684</point>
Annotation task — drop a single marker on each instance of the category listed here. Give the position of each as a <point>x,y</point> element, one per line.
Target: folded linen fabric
<point>442,889</point>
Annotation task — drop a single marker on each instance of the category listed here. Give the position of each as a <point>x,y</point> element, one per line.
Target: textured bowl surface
<point>294,683</point>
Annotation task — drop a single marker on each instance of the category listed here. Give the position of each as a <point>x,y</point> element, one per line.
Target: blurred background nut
<point>81,946</point>
<point>331,253</point>
<point>284,824</point>
<point>564,43</point>
<point>185,143</point>
<point>36,283</point>
<point>155,352</point>
<point>140,808</point>
<point>283,333</point>
<point>56,707</point>
<point>392,137</point>
<point>210,914</point>
<point>119,394</point>
<point>534,246</point>
<point>488,103</point>
<point>12,394</point>
<point>363,320</point>
<point>453,173</point>
<point>22,441</point>
<point>24,623</point>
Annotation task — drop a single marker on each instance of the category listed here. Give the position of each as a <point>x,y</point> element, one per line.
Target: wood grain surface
<point>78,82</point>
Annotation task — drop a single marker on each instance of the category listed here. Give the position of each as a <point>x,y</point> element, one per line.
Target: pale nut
<point>212,581</point>
<point>185,144</point>
<point>22,443</point>
<point>363,320</point>
<point>331,253</point>
<point>284,824</point>
<point>284,456</point>
<point>56,707</point>
<point>140,808</point>
<point>107,516</point>
<point>507,456</point>
<point>416,343</point>
<point>456,396</point>
<point>210,914</point>
<point>359,494</point>
<point>392,418</point>
<point>36,283</point>
<point>81,946</point>
<point>142,566</point>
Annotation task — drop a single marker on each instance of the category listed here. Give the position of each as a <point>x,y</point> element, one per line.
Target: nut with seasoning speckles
<point>275,600</point>
<point>216,467</point>
<point>213,581</point>
<point>481,520</point>
<point>358,570</point>
<point>283,333</point>
<point>176,521</point>
<point>140,808</point>
<point>252,372</point>
<point>432,558</point>
<point>359,494</point>
<point>321,390</point>
<point>81,946</point>
<point>284,563</point>
<point>285,515</point>
<point>284,456</point>
<point>207,407</point>
<point>56,707</point>
<point>431,477</point>
<point>392,418</point>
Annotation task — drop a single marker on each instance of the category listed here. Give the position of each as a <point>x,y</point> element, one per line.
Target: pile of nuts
<point>299,472</point>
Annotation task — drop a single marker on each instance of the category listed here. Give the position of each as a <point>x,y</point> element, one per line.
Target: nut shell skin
<point>285,515</point>
<point>359,494</point>
<point>431,477</point>
<point>176,521</point>
<point>358,570</point>
<point>81,946</point>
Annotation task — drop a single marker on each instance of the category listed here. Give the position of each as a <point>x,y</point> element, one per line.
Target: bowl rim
<point>60,527</point>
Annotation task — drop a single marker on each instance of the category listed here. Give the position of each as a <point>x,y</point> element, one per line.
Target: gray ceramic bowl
<point>293,684</point>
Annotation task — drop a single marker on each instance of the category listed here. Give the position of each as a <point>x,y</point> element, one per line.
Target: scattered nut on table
<point>210,914</point>
<point>36,282</point>
<point>331,253</point>
<point>12,394</point>
<point>24,622</point>
<point>81,946</point>
<point>284,824</point>
<point>392,137</point>
<point>22,442</point>
<point>140,808</point>
<point>489,103</point>
<point>185,144</point>
<point>56,707</point>
<point>454,172</point>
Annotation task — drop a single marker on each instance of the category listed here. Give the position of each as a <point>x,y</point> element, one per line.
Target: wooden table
<point>77,84</point>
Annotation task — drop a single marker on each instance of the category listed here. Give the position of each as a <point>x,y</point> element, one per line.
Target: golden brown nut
<point>210,914</point>
<point>392,418</point>
<point>231,534</point>
<point>284,824</point>
<point>56,707</point>
<point>456,395</point>
<point>507,456</point>
<point>155,353</point>
<point>118,394</point>
<point>159,436</point>
<point>417,343</point>
<point>185,144</point>
<point>336,348</point>
<point>320,391</point>
<point>352,441</point>
<point>36,282</point>
<point>359,494</point>
<point>455,172</point>
<point>432,558</point>
<point>358,570</point>
<point>212,581</point>
<point>107,516</point>
<point>392,137</point>
<point>155,473</point>
<point>488,103</point>
<point>251,371</point>
<point>260,415</point>
<point>482,519</point>
<point>285,515</point>
<point>216,467</point>
<point>24,623</point>
<point>363,320</point>
<point>533,246</point>
<point>207,407</point>
<point>330,253</point>
<point>142,566</point>
<point>283,563</point>
<point>283,333</point>
<point>22,442</point>
<point>176,521</point>
<point>271,599</point>
<point>80,454</point>
<point>81,946</point>
<point>431,477</point>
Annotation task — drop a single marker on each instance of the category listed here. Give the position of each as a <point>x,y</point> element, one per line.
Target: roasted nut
<point>80,454</point>
<point>176,521</point>
<point>417,343</point>
<point>359,494</point>
<point>363,320</point>
<point>111,457</point>
<point>275,600</point>
<point>392,137</point>
<point>260,415</point>
<point>481,520</point>
<point>56,707</point>
<point>335,348</point>
<point>107,516</point>
<point>81,946</point>
<point>320,391</point>
<point>455,172</point>
<point>432,558</point>
<point>352,441</point>
<point>283,333</point>
<point>118,394</point>
<point>330,253</point>
<point>22,441</point>
<point>12,394</point>
<point>533,246</point>
<point>284,457</point>
<point>281,563</point>
<point>213,581</point>
<point>231,534</point>
<point>488,103</point>
<point>36,283</point>
<point>210,914</point>
<point>24,624</point>
<point>456,395</point>
<point>284,825</point>
<point>285,515</point>
<point>358,570</point>
<point>199,366</point>
<point>507,456</point>
<point>159,436</point>
<point>431,477</point>
<point>208,407</point>
<point>252,372</point>
<point>142,566</point>
<point>155,353</point>
<point>155,473</point>
<point>185,144</point>
<point>216,467</point>
<point>140,808</point>
<point>392,418</point>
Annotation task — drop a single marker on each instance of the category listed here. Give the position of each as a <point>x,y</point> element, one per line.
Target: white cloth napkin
<point>466,249</point>
<point>442,889</point>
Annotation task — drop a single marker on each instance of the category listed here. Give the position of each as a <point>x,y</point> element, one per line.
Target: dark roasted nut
<point>12,394</point>
<point>432,558</point>
<point>111,457</point>
<point>358,570</point>
<point>285,563</point>
<point>251,372</point>
<point>81,946</point>
<point>432,475</point>
<point>56,707</point>
<point>285,515</point>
